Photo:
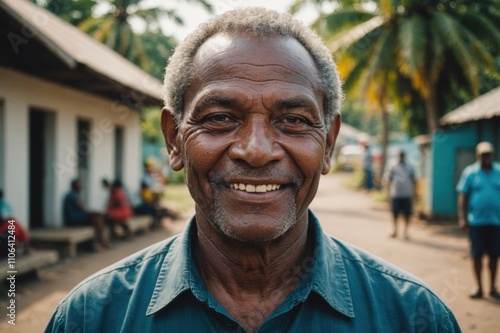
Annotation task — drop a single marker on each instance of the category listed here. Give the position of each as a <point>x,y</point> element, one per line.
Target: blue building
<point>453,148</point>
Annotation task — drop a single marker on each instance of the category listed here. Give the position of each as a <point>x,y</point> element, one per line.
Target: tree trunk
<point>385,141</point>
<point>431,109</point>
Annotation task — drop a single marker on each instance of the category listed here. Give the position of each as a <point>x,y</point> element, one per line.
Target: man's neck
<point>250,280</point>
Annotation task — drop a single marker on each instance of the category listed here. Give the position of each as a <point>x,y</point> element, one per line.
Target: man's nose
<point>256,143</point>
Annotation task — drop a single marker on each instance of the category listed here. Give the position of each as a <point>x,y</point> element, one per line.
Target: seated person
<point>75,214</point>
<point>150,205</point>
<point>21,235</point>
<point>118,210</point>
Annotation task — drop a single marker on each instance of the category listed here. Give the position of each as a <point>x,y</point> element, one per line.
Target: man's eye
<point>219,122</point>
<point>293,120</point>
<point>218,118</point>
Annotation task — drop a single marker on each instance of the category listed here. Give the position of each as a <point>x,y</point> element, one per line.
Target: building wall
<point>19,93</point>
<point>445,145</point>
<point>453,149</point>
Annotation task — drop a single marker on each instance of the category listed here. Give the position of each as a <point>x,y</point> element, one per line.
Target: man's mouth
<point>254,188</point>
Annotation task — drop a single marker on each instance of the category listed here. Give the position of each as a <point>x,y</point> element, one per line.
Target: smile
<point>254,188</point>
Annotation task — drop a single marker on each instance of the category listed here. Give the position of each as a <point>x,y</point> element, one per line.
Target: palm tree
<point>114,27</point>
<point>73,11</point>
<point>418,39</point>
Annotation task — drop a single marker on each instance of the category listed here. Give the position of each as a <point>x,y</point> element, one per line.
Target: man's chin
<point>254,229</point>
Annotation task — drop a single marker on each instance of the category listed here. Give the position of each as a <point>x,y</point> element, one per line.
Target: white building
<point>68,109</point>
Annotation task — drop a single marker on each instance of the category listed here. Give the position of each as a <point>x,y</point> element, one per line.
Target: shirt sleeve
<point>55,325</point>
<point>450,324</point>
<point>463,185</point>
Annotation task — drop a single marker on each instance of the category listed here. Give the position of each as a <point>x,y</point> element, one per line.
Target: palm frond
<point>383,55</point>
<point>437,57</point>
<point>296,6</point>
<point>482,26</point>
<point>365,32</point>
<point>353,78</point>
<point>452,35</point>
<point>412,44</point>
<point>340,20</point>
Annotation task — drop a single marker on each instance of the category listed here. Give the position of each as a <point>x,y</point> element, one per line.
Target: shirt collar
<point>329,280</point>
<point>175,272</point>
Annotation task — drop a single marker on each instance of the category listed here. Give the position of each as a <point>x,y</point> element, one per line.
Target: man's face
<point>78,186</point>
<point>485,160</point>
<point>252,140</point>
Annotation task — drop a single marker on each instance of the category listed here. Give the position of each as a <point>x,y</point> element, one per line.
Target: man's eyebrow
<point>293,103</point>
<point>216,100</point>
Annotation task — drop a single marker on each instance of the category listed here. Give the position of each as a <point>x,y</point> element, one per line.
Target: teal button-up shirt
<point>343,289</point>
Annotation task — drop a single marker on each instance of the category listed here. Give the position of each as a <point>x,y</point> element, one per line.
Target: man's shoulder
<point>366,267</point>
<point>471,169</point>
<point>132,268</point>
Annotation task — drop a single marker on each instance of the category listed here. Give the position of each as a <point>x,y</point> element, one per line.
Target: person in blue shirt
<point>75,214</point>
<point>252,114</point>
<point>479,214</point>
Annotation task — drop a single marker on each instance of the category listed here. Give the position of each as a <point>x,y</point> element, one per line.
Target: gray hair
<point>257,22</point>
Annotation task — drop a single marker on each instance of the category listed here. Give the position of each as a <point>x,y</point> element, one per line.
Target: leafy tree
<point>150,125</point>
<point>355,114</point>
<point>425,41</point>
<point>158,48</point>
<point>72,11</point>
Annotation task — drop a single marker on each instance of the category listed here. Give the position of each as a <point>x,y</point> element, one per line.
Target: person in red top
<point>21,235</point>
<point>118,210</point>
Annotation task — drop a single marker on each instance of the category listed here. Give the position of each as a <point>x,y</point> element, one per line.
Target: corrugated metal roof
<point>74,47</point>
<point>483,107</point>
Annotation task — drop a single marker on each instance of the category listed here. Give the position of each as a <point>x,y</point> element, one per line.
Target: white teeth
<point>254,188</point>
<point>260,188</point>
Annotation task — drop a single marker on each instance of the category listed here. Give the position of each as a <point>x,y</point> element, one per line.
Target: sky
<point>193,14</point>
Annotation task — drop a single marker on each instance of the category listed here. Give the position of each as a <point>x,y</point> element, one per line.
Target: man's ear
<point>331,138</point>
<point>170,133</point>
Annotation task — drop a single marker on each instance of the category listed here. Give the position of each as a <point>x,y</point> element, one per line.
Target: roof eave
<point>51,46</point>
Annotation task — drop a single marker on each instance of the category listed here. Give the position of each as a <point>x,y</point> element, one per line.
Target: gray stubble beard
<point>220,218</point>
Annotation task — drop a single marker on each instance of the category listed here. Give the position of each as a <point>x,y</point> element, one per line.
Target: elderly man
<point>479,214</point>
<point>252,101</point>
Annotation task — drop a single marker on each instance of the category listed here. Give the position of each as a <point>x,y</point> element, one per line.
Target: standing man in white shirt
<point>401,184</point>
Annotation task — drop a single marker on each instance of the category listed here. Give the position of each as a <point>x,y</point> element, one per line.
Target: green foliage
<point>158,48</point>
<point>354,113</point>
<point>178,177</point>
<point>72,11</point>
<point>151,126</point>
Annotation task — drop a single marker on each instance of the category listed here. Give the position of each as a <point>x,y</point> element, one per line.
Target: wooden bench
<point>137,224</point>
<point>65,239</point>
<point>28,263</point>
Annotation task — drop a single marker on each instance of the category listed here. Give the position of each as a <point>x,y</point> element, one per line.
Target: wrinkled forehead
<point>234,54</point>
